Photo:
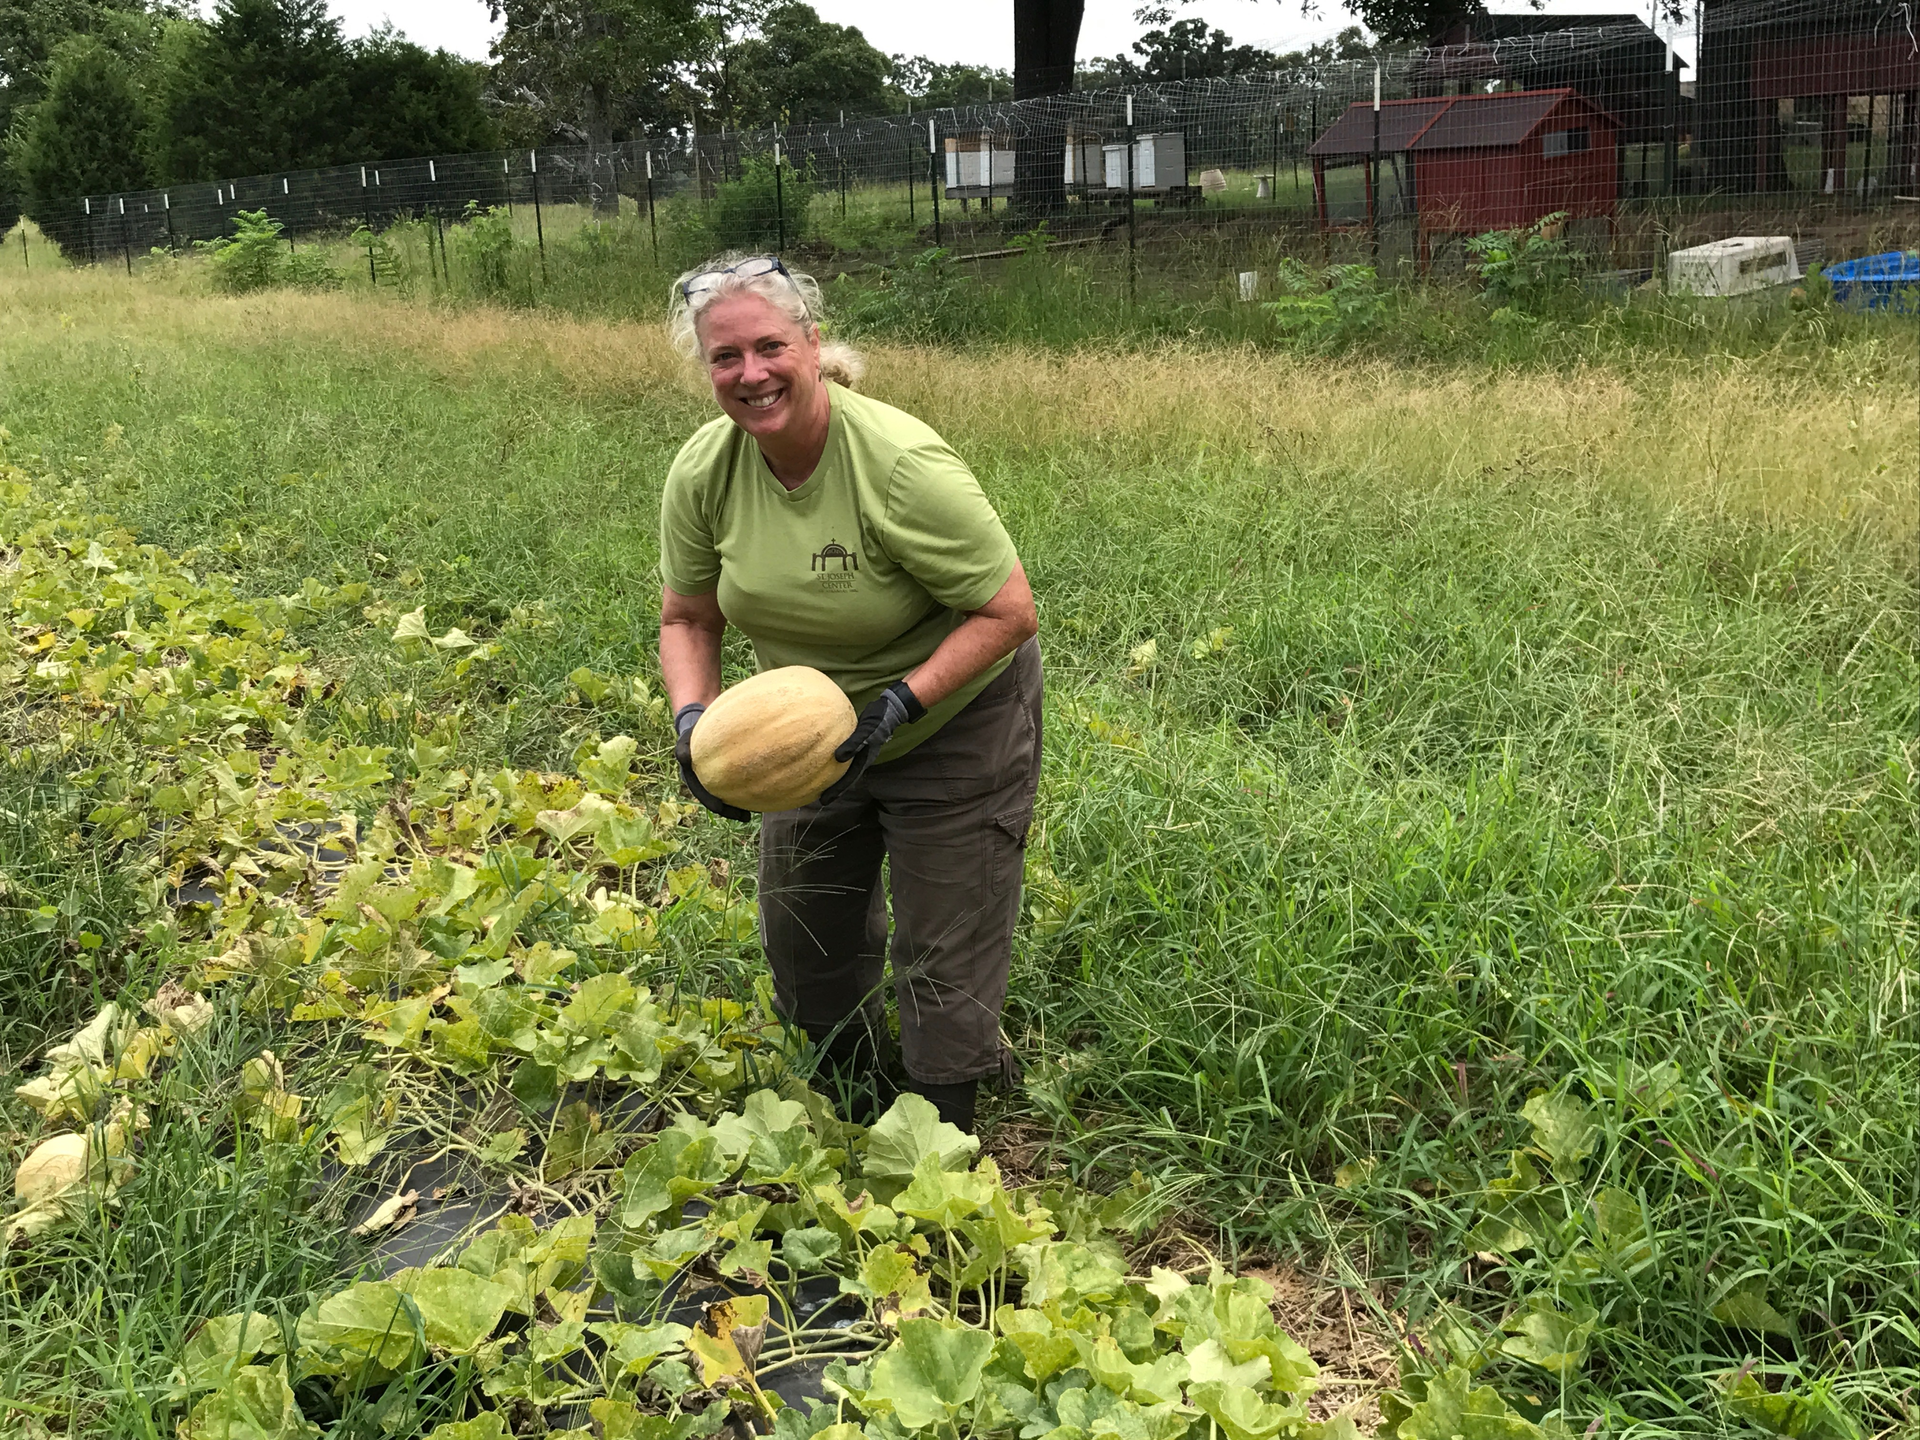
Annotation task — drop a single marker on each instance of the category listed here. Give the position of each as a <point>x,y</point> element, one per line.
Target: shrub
<point>485,244</point>
<point>746,213</point>
<point>1330,306</point>
<point>1532,269</point>
<point>252,258</point>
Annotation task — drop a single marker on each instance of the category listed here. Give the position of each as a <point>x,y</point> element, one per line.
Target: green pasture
<point>1423,735</point>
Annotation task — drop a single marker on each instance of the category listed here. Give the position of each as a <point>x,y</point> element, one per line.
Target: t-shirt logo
<point>831,551</point>
<point>834,566</point>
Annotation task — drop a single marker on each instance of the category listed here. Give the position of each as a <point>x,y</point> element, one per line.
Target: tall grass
<point>1501,730</point>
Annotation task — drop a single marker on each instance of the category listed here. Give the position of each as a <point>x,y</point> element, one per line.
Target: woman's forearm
<point>690,633</point>
<point>994,631</point>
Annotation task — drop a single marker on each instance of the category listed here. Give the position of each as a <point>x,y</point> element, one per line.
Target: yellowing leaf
<point>716,1340</point>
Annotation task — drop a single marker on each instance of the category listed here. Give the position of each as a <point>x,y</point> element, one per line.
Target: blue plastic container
<point>1878,282</point>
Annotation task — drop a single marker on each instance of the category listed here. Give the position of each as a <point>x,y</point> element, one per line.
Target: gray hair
<point>794,294</point>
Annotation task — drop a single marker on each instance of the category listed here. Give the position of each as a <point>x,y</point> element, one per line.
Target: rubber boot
<point>847,1070</point>
<point>954,1102</point>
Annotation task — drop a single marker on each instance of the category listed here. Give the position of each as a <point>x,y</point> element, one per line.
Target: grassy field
<point>1422,738</point>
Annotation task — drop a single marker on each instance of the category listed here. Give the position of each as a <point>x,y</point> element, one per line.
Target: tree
<point>30,32</point>
<point>264,87</point>
<point>1046,38</point>
<point>1190,50</point>
<point>801,70</point>
<point>930,85</point>
<point>405,100</point>
<point>1415,22</point>
<point>82,136</point>
<point>592,70</point>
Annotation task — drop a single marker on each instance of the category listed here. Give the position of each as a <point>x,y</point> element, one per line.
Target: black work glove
<point>897,706</point>
<point>684,719</point>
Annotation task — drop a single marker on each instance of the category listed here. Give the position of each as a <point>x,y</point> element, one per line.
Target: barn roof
<point>1447,122</point>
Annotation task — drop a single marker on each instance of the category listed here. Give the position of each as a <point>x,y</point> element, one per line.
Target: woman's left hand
<point>896,706</point>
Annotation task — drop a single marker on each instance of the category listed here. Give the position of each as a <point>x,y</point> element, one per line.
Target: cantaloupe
<point>768,743</point>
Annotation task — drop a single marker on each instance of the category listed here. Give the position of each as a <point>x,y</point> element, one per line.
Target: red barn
<point>1465,164</point>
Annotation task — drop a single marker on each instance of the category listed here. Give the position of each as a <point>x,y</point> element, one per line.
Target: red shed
<point>1464,164</point>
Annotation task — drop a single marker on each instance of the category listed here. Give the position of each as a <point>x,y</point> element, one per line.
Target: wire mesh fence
<point>1803,120</point>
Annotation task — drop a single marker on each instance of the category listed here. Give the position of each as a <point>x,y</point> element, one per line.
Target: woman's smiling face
<point>765,367</point>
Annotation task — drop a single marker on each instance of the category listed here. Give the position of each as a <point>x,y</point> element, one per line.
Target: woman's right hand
<point>684,719</point>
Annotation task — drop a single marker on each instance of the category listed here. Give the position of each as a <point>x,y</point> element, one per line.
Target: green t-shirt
<point>861,572</point>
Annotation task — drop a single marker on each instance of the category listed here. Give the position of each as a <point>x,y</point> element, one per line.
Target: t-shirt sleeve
<point>689,561</point>
<point>942,530</point>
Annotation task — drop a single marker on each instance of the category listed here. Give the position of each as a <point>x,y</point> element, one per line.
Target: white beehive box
<point>1159,160</point>
<point>1733,267</point>
<point>1085,165</point>
<point>974,164</point>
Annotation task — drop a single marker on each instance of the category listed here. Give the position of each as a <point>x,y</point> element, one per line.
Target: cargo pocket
<point>1007,847</point>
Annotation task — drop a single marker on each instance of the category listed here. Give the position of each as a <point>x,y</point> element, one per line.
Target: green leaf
<point>1453,1410</point>
<point>622,1420</point>
<point>598,1005</point>
<point>809,1249</point>
<point>1065,1271</point>
<point>890,1277</point>
<point>578,1145</point>
<point>1745,1307</point>
<point>632,841</point>
<point>910,1130</point>
<point>588,814</point>
<point>1788,1412</point>
<point>1209,1364</point>
<point>1043,1351</point>
<point>370,1322</point>
<point>946,1197</point>
<point>930,1371</point>
<point>412,626</point>
<point>632,1349</point>
<point>609,771</point>
<point>1241,1413</point>
<point>1563,1128</point>
<point>1553,1339</point>
<point>488,1425</point>
<point>458,1309</point>
<point>224,1344</point>
<point>256,1404</point>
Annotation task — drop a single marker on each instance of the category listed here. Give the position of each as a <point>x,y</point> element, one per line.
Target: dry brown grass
<point>1781,438</point>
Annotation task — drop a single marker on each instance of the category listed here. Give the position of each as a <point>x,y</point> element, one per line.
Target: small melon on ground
<point>768,743</point>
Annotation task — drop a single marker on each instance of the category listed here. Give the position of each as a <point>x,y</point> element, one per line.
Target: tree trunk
<point>1046,37</point>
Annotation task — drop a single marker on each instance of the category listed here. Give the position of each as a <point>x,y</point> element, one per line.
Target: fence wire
<point>1803,119</point>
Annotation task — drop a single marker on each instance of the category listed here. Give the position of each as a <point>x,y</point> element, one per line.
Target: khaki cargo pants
<point>950,818</point>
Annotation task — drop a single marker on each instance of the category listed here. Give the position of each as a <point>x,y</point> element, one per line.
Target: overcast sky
<point>979,34</point>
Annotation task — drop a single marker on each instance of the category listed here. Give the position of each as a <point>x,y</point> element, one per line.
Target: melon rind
<point>767,744</point>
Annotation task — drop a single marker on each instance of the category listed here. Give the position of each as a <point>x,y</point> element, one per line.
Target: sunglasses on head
<point>753,265</point>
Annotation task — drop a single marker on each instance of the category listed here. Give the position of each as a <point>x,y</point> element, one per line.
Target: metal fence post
<point>1373,186</point>
<point>366,206</point>
<point>1132,239</point>
<point>653,230</point>
<point>779,204</point>
<point>911,219</point>
<point>26,260</point>
<point>166,204</point>
<point>934,177</point>
<point>539,230</point>
<point>285,192</point>
<point>126,242</point>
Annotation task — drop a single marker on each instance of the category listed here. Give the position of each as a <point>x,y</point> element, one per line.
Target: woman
<point>840,533</point>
